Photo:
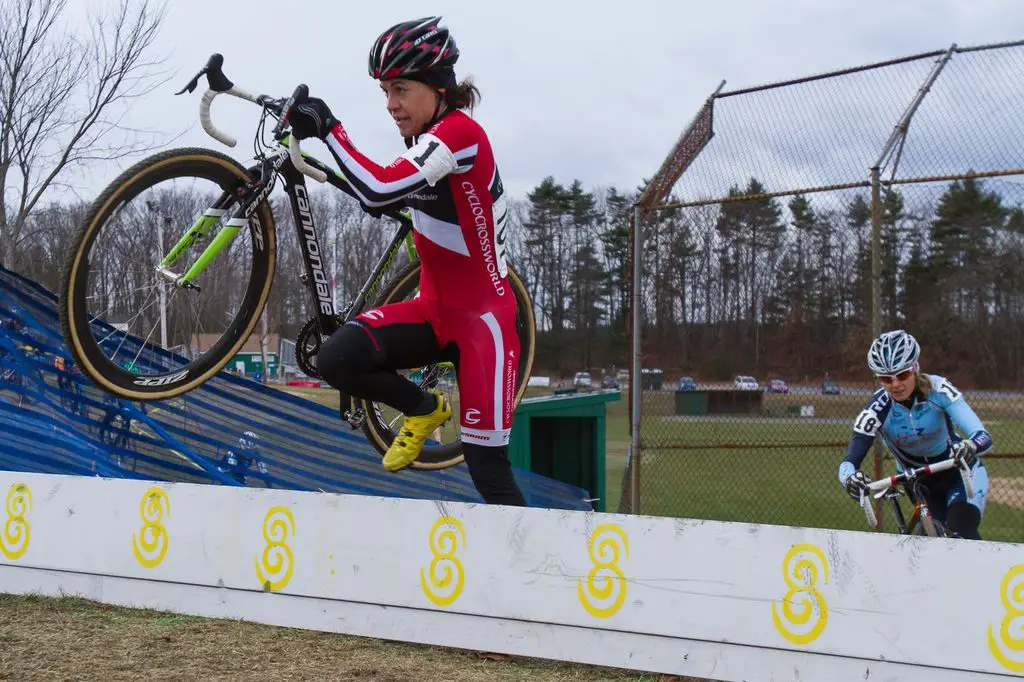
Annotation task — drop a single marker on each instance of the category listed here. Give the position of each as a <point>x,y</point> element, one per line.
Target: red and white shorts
<point>483,346</point>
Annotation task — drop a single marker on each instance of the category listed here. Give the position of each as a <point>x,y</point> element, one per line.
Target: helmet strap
<point>438,112</point>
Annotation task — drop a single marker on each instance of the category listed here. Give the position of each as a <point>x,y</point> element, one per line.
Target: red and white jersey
<point>449,181</point>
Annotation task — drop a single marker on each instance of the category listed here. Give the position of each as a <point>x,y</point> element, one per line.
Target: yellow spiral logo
<point>275,565</point>
<point>14,541</point>
<point>151,543</point>
<point>804,610</point>
<point>444,580</point>
<point>605,589</point>
<point>1008,646</point>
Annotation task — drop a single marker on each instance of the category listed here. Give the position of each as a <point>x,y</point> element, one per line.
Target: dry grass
<point>74,639</point>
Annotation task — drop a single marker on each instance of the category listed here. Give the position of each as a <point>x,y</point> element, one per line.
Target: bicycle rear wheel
<point>382,422</point>
<point>131,329</point>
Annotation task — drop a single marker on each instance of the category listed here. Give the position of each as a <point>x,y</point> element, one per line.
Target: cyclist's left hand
<point>964,453</point>
<point>312,118</point>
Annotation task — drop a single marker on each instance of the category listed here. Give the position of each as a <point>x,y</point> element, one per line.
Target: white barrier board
<point>721,600</point>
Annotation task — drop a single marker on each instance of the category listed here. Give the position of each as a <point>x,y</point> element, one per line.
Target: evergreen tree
<point>961,238</point>
<point>616,242</point>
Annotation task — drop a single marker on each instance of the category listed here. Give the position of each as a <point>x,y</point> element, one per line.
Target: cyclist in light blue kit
<point>917,416</point>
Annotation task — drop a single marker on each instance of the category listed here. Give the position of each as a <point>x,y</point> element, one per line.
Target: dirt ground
<point>74,639</point>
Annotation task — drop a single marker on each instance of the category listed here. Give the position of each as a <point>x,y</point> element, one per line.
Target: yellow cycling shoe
<point>415,430</point>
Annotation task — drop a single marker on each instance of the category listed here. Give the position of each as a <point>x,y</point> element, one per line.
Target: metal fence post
<point>876,306</point>
<point>635,383</point>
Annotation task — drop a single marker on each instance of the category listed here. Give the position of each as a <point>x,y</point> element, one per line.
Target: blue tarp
<point>54,420</point>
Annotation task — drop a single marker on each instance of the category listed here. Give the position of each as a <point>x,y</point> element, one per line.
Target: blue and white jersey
<point>916,435</point>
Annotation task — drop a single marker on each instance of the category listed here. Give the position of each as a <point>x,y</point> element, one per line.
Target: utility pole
<point>161,285</point>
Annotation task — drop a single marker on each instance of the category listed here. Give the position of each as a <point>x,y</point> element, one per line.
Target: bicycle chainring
<point>307,345</point>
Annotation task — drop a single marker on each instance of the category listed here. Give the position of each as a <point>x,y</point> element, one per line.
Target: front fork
<point>924,514</point>
<point>199,230</point>
<point>236,220</point>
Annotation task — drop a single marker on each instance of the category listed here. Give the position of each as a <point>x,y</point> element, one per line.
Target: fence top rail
<point>865,67</point>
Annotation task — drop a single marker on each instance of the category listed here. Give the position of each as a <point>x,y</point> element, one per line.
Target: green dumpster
<point>691,403</point>
<point>563,437</point>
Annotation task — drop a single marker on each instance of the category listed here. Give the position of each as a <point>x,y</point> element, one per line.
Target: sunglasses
<point>889,378</point>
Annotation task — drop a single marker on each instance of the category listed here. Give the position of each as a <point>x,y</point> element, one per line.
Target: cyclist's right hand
<point>963,452</point>
<point>857,485</point>
<point>312,118</point>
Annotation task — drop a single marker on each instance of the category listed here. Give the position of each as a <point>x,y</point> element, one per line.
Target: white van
<point>582,381</point>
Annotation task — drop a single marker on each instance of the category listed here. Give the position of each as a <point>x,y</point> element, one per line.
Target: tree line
<point>781,286</point>
<point>767,286</point>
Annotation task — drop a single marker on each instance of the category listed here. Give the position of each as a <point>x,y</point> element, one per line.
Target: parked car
<point>746,383</point>
<point>609,381</point>
<point>687,384</point>
<point>777,386</point>
<point>829,386</point>
<point>582,381</point>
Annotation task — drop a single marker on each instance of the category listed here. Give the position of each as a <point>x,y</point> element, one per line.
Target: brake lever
<point>192,84</point>
<point>299,96</point>
<point>214,76</point>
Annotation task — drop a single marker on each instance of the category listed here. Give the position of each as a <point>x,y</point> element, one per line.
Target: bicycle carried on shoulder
<point>909,482</point>
<point>121,283</point>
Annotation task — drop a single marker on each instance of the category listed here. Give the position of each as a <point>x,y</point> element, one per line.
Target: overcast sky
<point>597,91</point>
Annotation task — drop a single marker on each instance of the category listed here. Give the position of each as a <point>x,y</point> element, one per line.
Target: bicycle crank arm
<point>353,416</point>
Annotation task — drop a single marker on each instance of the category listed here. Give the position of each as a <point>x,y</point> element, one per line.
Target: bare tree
<point>63,99</point>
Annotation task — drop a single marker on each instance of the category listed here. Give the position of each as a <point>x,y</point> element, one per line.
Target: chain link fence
<point>806,217</point>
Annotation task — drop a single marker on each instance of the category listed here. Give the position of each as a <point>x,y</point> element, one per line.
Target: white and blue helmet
<point>893,352</point>
<point>248,441</point>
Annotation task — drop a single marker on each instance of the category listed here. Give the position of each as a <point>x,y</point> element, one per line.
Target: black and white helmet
<point>893,352</point>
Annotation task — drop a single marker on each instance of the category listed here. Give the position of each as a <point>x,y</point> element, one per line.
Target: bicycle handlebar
<point>207,121</point>
<point>883,485</point>
<point>220,85</point>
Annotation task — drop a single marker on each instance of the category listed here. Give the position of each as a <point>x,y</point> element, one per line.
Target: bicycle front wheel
<point>162,287</point>
<point>382,422</point>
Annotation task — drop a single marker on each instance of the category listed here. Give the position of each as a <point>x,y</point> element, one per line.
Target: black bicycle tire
<point>449,454</point>
<point>75,323</point>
